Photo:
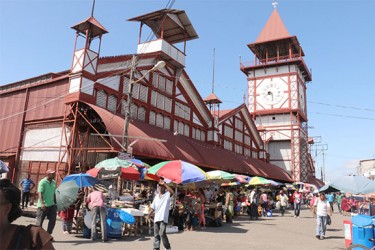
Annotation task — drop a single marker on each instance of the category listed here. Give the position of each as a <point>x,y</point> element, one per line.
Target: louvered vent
<point>101,99</point>
<point>143,90</point>
<point>141,113</point>
<point>126,86</point>
<point>136,91</point>
<point>167,104</point>
<point>167,123</point>
<point>112,103</point>
<point>169,86</point>
<point>159,120</point>
<point>154,95</point>
<point>152,117</point>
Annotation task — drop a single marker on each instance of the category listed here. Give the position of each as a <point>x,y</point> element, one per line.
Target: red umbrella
<point>129,173</point>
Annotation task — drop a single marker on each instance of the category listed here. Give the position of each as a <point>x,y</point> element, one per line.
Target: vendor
<point>95,202</point>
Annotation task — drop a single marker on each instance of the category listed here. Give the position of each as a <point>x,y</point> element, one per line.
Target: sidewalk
<point>266,233</point>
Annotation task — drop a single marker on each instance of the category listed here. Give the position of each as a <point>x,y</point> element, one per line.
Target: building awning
<point>172,147</point>
<point>313,180</point>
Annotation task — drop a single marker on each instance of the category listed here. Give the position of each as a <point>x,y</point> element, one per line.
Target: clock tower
<point>277,96</point>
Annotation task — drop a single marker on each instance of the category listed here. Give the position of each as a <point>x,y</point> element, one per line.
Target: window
<point>152,118</point>
<point>142,113</point>
<point>101,99</point>
<point>112,103</point>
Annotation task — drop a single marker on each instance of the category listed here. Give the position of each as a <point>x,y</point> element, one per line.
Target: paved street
<point>269,233</point>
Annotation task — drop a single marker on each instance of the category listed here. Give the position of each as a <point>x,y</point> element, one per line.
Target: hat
<point>50,171</point>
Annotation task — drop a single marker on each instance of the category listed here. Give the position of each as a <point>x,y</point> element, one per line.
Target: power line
<point>346,116</point>
<point>342,106</point>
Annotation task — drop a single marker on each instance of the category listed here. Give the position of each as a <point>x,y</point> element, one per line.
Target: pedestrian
<point>26,186</point>
<point>160,208</point>
<point>67,216</point>
<point>283,202</point>
<point>18,236</point>
<point>322,209</point>
<point>47,201</point>
<point>95,202</point>
<point>338,200</point>
<point>297,203</point>
<point>331,199</point>
<point>254,203</point>
<point>229,204</point>
<point>201,216</point>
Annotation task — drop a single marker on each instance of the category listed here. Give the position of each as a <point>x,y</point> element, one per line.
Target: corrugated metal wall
<point>11,111</point>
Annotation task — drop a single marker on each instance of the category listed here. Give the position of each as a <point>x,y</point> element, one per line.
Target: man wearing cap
<point>47,201</point>
<point>160,208</point>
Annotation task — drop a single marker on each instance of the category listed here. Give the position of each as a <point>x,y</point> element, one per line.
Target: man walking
<point>96,204</point>
<point>321,208</point>
<point>47,201</point>
<point>26,185</point>
<point>160,207</point>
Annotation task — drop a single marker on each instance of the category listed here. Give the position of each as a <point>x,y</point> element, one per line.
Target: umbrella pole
<point>119,185</point>
<point>175,197</point>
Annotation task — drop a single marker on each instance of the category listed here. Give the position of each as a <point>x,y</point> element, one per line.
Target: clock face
<point>271,94</point>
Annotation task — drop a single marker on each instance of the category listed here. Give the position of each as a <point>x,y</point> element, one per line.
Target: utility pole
<point>320,149</point>
<point>129,102</point>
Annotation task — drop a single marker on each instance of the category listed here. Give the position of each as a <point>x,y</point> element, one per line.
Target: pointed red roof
<point>91,22</point>
<point>274,29</point>
<point>212,98</point>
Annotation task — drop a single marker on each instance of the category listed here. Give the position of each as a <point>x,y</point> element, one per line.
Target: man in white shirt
<point>208,194</point>
<point>160,207</point>
<point>321,208</point>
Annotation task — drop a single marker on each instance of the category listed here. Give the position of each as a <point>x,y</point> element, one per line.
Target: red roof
<point>181,147</point>
<point>274,29</point>
<point>212,98</point>
<point>97,28</point>
<point>313,180</point>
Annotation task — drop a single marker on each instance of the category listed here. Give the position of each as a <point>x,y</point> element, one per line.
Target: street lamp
<point>159,65</point>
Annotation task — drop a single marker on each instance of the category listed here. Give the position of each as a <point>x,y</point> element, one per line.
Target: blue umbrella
<point>82,180</point>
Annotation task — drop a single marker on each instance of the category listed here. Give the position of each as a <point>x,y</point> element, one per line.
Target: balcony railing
<point>161,45</point>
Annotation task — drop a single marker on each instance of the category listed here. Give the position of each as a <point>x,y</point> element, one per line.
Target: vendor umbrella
<point>82,180</point>
<point>178,171</point>
<point>113,168</point>
<point>3,167</point>
<point>256,180</point>
<point>242,178</point>
<point>219,175</point>
<point>229,184</point>
<point>66,195</point>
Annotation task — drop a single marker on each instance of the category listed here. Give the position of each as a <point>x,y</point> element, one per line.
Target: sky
<point>338,38</point>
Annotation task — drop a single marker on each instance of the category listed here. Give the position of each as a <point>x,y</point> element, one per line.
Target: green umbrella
<point>113,164</point>
<point>66,195</point>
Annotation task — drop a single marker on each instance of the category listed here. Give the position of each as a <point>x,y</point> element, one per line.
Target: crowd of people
<point>188,209</point>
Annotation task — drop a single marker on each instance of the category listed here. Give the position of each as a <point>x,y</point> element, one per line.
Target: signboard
<point>109,174</point>
<point>124,156</point>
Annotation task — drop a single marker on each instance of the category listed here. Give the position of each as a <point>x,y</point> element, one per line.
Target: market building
<point>102,105</point>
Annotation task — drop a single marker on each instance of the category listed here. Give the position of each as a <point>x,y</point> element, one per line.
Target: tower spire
<point>93,7</point>
<point>274,4</point>
<point>213,73</point>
